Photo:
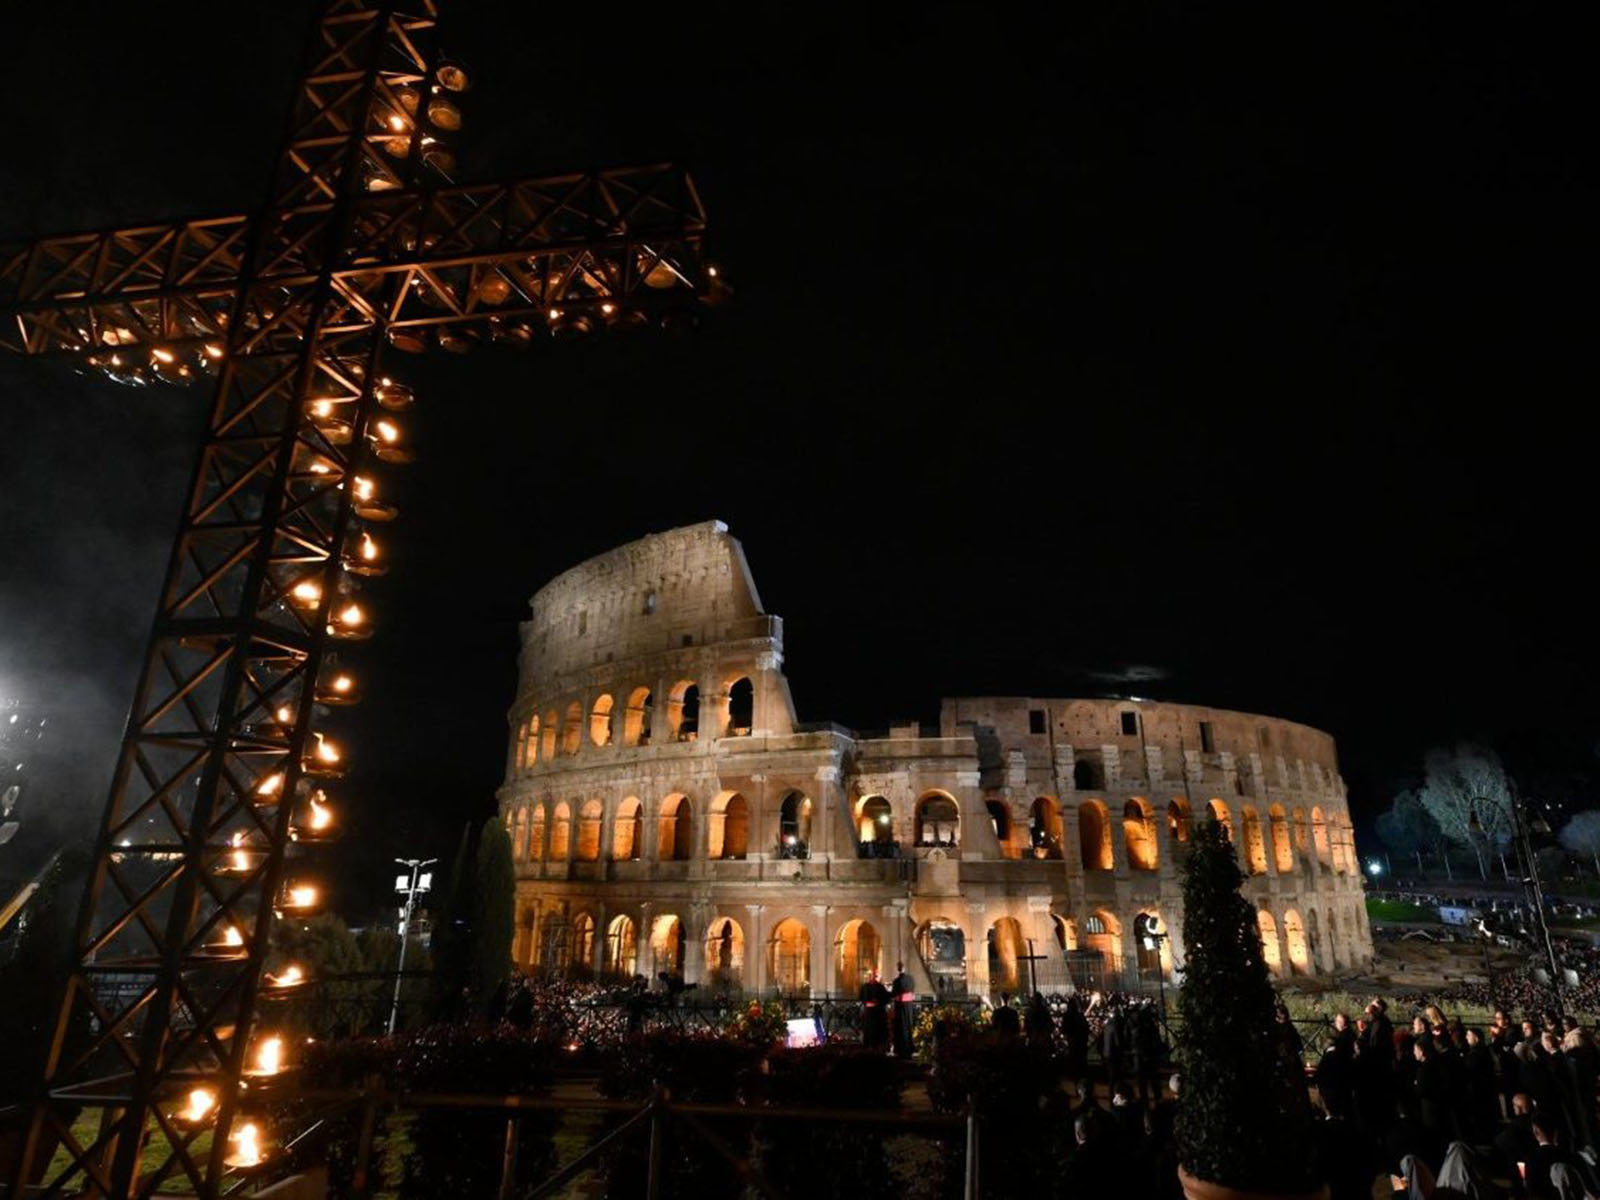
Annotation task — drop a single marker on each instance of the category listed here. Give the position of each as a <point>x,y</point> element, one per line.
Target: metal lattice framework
<point>223,772</point>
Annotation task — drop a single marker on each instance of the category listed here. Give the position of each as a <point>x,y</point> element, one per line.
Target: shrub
<point>1013,1087</point>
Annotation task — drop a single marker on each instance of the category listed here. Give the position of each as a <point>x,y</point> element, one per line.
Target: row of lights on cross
<point>267,1056</point>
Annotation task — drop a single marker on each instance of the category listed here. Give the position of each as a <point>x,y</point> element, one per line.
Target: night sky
<point>1229,359</point>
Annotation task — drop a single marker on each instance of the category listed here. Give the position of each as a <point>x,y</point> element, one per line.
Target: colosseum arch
<point>622,947</point>
<point>1178,822</point>
<point>627,831</point>
<point>938,820</point>
<point>583,942</point>
<point>674,832</point>
<point>789,957</point>
<point>874,825</point>
<point>1268,928</point>
<point>942,943</point>
<point>520,754</point>
<point>1151,945</point>
<point>547,740</point>
<point>1217,811</point>
<point>1045,828</point>
<point>1282,850</point>
<point>636,718</point>
<point>590,819</point>
<point>1066,931</point>
<point>1094,836</point>
<point>794,826</point>
<point>725,954</point>
<point>1087,776</point>
<point>535,850</point>
<point>1302,832</point>
<point>999,821</point>
<point>857,956</point>
<point>519,834</point>
<point>741,707</point>
<point>531,752</point>
<point>1255,849</point>
<point>683,711</point>
<point>600,719</point>
<point>1319,835</point>
<point>1294,938</point>
<point>572,729</point>
<point>730,826</point>
<point>666,945</point>
<point>1102,932</point>
<point>1139,836</point>
<point>1006,949</point>
<point>560,832</point>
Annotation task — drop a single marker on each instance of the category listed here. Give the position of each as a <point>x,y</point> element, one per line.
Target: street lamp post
<point>410,886</point>
<point>1522,842</point>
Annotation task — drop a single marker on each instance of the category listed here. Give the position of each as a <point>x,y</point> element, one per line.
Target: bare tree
<point>1464,782</point>
<point>1581,835</point>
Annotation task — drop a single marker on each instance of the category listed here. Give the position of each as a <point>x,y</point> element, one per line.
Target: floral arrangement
<point>760,1024</point>
<point>936,1024</point>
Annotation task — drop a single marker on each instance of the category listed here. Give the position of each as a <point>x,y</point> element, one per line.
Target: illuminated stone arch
<point>1319,837</point>
<point>730,826</point>
<point>683,711</point>
<point>1045,829</point>
<point>583,941</point>
<point>1179,822</point>
<point>591,819</point>
<point>547,739</point>
<point>622,946</point>
<point>1217,810</point>
<point>636,718</point>
<point>519,834</point>
<point>857,955</point>
<point>600,719</point>
<point>535,850</point>
<point>794,825</point>
<point>1094,836</point>
<point>1282,847</point>
<point>560,832</point>
<point>531,751</point>
<point>938,820</point>
<point>1139,836</point>
<point>725,954</point>
<point>1102,932</point>
<point>741,707</point>
<point>1268,928</point>
<point>999,821</point>
<point>874,822</point>
<point>789,957</point>
<point>666,945</point>
<point>674,830</point>
<point>1066,931</point>
<point>942,943</point>
<point>627,837</point>
<point>1006,948</point>
<point>1255,848</point>
<point>1294,938</point>
<point>572,729</point>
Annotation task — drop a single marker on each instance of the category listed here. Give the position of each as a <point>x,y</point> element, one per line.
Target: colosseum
<point>669,813</point>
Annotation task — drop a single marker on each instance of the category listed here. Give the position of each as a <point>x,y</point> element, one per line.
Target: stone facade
<point>669,813</point>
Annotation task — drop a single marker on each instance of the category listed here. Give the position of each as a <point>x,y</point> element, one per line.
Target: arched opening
<point>1139,836</point>
<point>519,835</point>
<point>730,826</point>
<point>519,756</point>
<point>741,707</point>
<point>1044,828</point>
<point>874,828</point>
<point>674,838</point>
<point>628,838</point>
<point>535,850</point>
<point>1218,812</point>
<point>1152,946</point>
<point>1302,832</point>
<point>938,820</point>
<point>1087,776</point>
<point>622,947</point>
<point>1103,934</point>
<point>789,957</point>
<point>1066,931</point>
<point>1269,941</point>
<point>1177,821</point>
<point>583,942</point>
<point>725,954</point>
<point>1313,939</point>
<point>943,946</point>
<point>1006,949</point>
<point>1000,822</point>
<point>1255,849</point>
<point>1094,836</point>
<point>794,826</point>
<point>547,739</point>
<point>636,721</point>
<point>600,720</point>
<point>857,955</point>
<point>666,946</point>
<point>683,711</point>
<point>531,755</point>
<point>572,729</point>
<point>1282,850</point>
<point>590,818</point>
<point>1339,957</point>
<point>554,952</point>
<point>1294,937</point>
<point>561,833</point>
<point>1319,835</point>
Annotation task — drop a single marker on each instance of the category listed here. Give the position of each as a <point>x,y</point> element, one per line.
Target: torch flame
<point>326,751</point>
<point>351,614</point>
<point>364,488</point>
<point>271,785</point>
<point>231,936</point>
<point>302,895</point>
<point>343,683</point>
<point>321,814</point>
<point>369,548</point>
<point>201,1103</point>
<point>246,1143</point>
<point>307,591</point>
<point>388,431</point>
<point>162,354</point>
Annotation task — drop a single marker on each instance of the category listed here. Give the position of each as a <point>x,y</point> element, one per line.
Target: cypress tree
<point>493,918</point>
<point>451,944</point>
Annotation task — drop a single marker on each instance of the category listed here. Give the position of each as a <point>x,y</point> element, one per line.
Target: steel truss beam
<point>293,309</point>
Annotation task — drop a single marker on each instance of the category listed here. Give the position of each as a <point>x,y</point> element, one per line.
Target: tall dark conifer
<point>452,932</point>
<point>493,918</point>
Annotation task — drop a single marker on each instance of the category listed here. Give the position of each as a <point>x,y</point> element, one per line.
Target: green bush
<point>1244,1121</point>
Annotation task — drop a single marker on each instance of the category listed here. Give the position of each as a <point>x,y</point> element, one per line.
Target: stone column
<point>755,951</point>
<point>896,915</point>
<point>824,808</point>
<point>821,947</point>
<point>713,709</point>
<point>1041,929</point>
<point>696,925</point>
<point>650,819</point>
<point>977,949</point>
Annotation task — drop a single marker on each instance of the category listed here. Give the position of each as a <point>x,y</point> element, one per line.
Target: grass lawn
<point>1401,910</point>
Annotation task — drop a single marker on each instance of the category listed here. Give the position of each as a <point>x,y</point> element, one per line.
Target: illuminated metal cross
<point>362,245</point>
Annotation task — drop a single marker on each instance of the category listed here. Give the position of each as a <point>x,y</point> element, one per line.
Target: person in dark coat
<point>1434,1098</point>
<point>903,994</point>
<point>1004,1019</point>
<point>874,999</point>
<point>1075,1033</point>
<point>1114,1046</point>
<point>1148,1052</point>
<point>1095,1168</point>
<point>1515,1142</point>
<point>1375,1070</point>
<point>1039,1025</point>
<point>1479,1095</point>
